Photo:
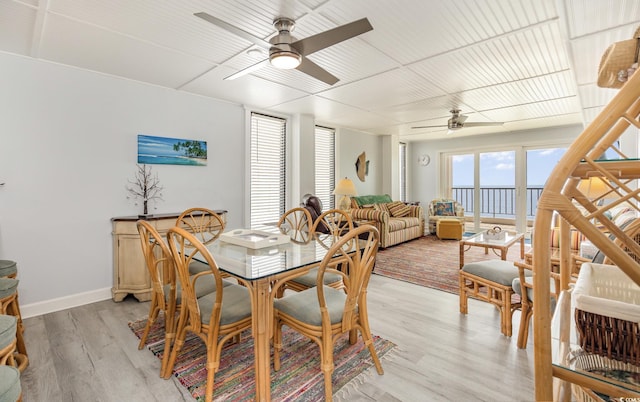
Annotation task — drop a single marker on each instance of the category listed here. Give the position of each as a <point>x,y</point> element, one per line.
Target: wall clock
<point>424,160</point>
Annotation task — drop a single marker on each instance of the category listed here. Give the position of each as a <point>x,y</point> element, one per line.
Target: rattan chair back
<point>297,224</point>
<point>204,223</point>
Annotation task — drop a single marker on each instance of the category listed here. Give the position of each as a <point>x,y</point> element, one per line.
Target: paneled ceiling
<point>529,64</point>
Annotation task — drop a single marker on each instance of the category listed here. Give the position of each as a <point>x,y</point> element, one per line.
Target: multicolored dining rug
<point>299,377</point>
<point>431,262</point>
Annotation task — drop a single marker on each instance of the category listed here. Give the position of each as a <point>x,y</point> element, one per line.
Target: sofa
<point>396,221</point>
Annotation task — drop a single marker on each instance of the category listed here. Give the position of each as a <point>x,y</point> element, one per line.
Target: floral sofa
<point>396,221</point>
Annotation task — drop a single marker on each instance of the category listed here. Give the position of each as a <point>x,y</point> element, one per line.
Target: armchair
<point>444,208</point>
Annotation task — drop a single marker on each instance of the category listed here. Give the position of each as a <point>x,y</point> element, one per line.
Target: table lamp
<point>346,189</point>
<point>595,187</point>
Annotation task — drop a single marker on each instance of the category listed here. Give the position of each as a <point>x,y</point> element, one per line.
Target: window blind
<point>402,158</point>
<point>325,165</point>
<point>268,168</point>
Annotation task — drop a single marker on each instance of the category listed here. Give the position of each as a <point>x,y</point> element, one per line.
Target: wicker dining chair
<point>166,295</point>
<point>327,229</point>
<point>323,313</point>
<point>215,318</point>
<point>523,286</point>
<point>206,225</point>
<point>297,224</point>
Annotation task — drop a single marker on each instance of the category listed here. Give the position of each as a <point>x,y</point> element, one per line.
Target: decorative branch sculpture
<point>145,186</point>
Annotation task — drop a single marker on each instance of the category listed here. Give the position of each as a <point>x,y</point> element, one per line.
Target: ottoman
<point>449,229</point>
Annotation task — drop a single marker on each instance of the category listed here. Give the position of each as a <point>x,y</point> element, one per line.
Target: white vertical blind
<point>268,168</point>
<point>325,165</point>
<point>402,158</point>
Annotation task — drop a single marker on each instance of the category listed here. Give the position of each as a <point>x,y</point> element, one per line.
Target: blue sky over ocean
<point>498,168</point>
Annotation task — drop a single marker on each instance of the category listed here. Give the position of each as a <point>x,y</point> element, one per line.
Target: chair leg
<point>169,339</point>
<point>523,332</point>
<point>463,296</point>
<point>177,345</point>
<point>326,357</point>
<point>505,313</point>
<point>368,341</point>
<point>212,366</point>
<point>153,315</point>
<point>277,344</point>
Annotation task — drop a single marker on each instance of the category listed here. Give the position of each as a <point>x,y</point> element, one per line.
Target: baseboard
<point>63,303</point>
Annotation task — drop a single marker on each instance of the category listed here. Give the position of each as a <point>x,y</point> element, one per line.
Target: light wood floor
<point>88,353</point>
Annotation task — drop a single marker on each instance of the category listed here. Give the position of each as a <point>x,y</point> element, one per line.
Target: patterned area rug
<point>299,377</point>
<point>431,262</point>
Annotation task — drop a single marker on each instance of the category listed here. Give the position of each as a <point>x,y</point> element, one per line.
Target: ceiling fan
<point>287,52</point>
<point>457,121</point>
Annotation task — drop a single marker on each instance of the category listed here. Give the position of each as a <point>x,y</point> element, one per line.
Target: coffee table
<point>481,240</point>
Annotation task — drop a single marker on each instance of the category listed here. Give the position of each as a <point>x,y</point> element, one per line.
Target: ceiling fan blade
<point>483,124</point>
<point>461,119</point>
<point>234,30</point>
<point>441,126</point>
<point>248,70</point>
<point>317,72</point>
<point>328,38</point>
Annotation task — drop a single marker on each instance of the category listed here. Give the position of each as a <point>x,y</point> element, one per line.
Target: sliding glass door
<point>497,188</point>
<point>500,187</point>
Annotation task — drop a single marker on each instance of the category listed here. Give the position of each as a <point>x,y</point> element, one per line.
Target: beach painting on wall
<point>171,151</point>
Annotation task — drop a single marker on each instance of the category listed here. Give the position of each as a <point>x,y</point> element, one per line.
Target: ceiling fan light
<point>285,59</point>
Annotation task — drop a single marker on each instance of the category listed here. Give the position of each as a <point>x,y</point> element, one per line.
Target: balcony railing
<point>497,202</point>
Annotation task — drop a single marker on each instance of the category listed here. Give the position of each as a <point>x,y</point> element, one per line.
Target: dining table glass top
<point>252,264</point>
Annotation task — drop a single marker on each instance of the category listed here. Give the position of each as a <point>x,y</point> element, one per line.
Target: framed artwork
<point>171,151</point>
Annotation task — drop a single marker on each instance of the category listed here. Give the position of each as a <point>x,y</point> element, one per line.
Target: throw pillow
<point>382,207</point>
<point>399,209</point>
<point>445,209</point>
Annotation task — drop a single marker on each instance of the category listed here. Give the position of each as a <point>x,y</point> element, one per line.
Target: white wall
<point>424,181</point>
<point>349,145</point>
<point>68,148</point>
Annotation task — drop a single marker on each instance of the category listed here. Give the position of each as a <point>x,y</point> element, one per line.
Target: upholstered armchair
<point>444,208</point>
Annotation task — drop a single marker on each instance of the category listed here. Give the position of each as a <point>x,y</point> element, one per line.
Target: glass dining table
<point>264,270</point>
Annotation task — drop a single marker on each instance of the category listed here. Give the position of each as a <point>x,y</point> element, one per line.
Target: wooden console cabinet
<point>130,274</point>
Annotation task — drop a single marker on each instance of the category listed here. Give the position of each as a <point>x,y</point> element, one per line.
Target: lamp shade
<point>595,187</point>
<point>345,187</point>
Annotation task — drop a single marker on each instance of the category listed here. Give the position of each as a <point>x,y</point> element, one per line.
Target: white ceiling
<point>527,63</point>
